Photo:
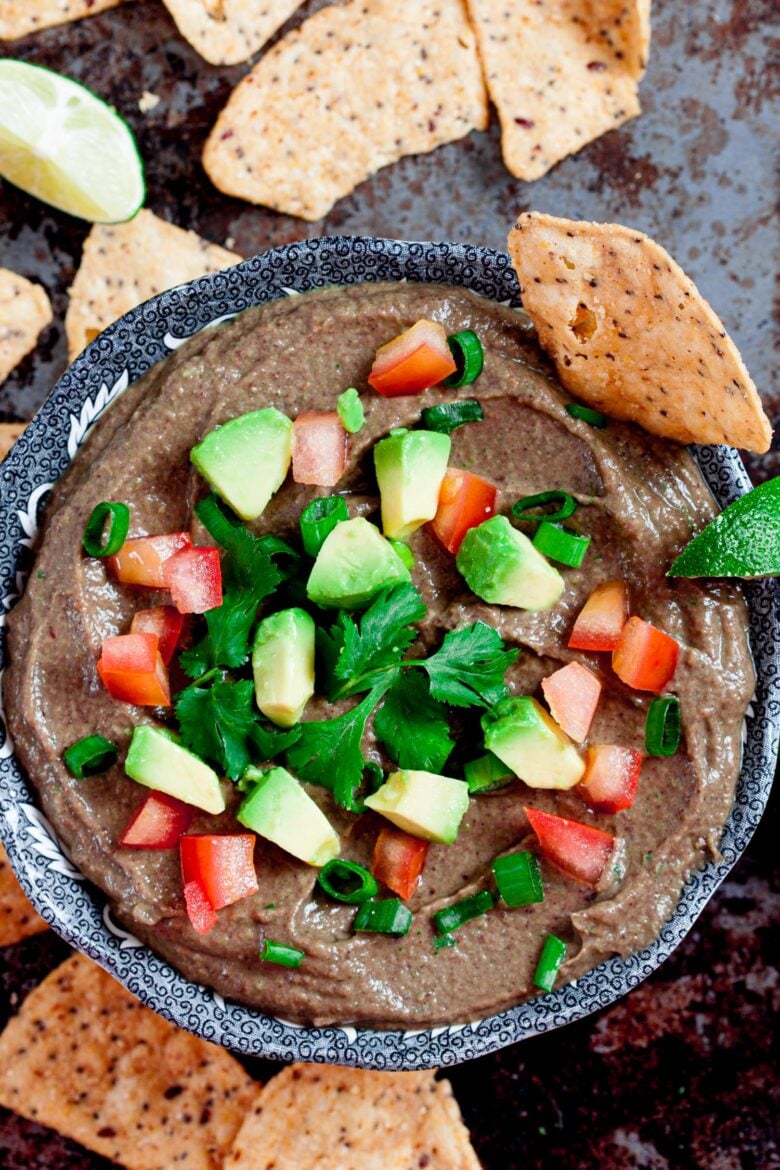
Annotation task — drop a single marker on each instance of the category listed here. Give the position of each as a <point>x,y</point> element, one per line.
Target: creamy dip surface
<point>641,497</point>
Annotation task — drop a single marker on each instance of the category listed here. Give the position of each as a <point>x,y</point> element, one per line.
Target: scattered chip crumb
<point>148,101</point>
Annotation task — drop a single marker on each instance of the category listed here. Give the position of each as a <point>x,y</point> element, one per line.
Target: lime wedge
<point>61,143</point>
<point>743,541</point>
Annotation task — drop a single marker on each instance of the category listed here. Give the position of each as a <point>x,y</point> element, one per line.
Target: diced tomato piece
<point>141,561</point>
<point>573,694</point>
<point>165,622</point>
<point>319,453</point>
<point>413,361</point>
<point>158,823</point>
<point>611,777</point>
<point>601,619</point>
<point>645,658</point>
<point>199,910</point>
<point>398,861</point>
<point>465,501</point>
<point>223,866</point>
<point>581,851</point>
<point>194,577</point>
<point>131,669</point>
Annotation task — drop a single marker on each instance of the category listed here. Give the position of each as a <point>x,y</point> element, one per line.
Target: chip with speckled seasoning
<point>18,18</point>
<point>225,32</point>
<point>24,311</point>
<point>18,919</point>
<point>355,88</point>
<point>631,335</point>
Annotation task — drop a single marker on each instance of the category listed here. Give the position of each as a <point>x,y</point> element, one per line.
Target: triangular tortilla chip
<point>631,334</point>
<point>225,32</point>
<point>85,1058</point>
<point>24,312</point>
<point>18,919</point>
<point>560,74</point>
<point>9,433</point>
<point>125,264</point>
<point>356,87</point>
<point>20,17</point>
<point>350,1119</point>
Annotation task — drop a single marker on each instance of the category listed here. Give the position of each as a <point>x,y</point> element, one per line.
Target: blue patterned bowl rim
<point>79,912</point>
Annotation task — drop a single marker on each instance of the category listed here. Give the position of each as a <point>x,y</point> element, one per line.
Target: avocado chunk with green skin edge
<point>247,459</point>
<point>278,808</point>
<point>487,774</point>
<point>283,665</point>
<point>157,761</point>
<point>501,565</point>
<point>423,803</point>
<point>521,733</point>
<point>410,467</point>
<point>353,565</point>
<point>743,541</point>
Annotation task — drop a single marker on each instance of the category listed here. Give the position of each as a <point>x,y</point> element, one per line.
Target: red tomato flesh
<point>158,823</point>
<point>223,866</point>
<point>645,658</point>
<point>398,861</point>
<point>132,670</point>
<point>413,361</point>
<point>611,778</point>
<point>165,622</point>
<point>465,501</point>
<point>199,910</point>
<point>141,561</point>
<point>194,577</point>
<point>572,694</point>
<point>319,453</point>
<point>601,619</point>
<point>580,851</point>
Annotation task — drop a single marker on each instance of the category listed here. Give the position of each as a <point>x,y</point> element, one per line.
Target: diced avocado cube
<point>423,803</point>
<point>501,565</point>
<point>354,563</point>
<point>247,459</point>
<point>280,809</point>
<point>529,741</point>
<point>410,467</point>
<point>283,665</point>
<point>487,773</point>
<point>157,761</point>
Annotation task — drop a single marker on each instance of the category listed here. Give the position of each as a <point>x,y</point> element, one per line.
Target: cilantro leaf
<point>468,668</point>
<point>272,741</point>
<point>413,726</point>
<point>363,653</point>
<point>216,722</point>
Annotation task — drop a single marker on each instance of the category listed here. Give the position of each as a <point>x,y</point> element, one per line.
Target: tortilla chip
<point>24,312</point>
<point>350,1119</point>
<point>85,1058</point>
<point>18,919</point>
<point>355,88</point>
<point>560,74</point>
<point>9,433</point>
<point>225,32</point>
<point>630,334</point>
<point>125,264</point>
<point>20,17</point>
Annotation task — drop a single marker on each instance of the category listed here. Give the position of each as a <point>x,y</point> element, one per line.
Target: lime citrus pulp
<point>743,541</point>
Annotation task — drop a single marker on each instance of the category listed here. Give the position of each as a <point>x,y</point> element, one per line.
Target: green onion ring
<point>522,509</point>
<point>561,544</point>
<point>553,954</point>
<point>594,418</point>
<point>217,521</point>
<point>346,881</point>
<point>454,916</point>
<point>91,754</point>
<point>448,416</point>
<point>662,727</point>
<point>385,916</point>
<point>319,519</point>
<point>466,348</point>
<point>99,543</point>
<point>283,956</point>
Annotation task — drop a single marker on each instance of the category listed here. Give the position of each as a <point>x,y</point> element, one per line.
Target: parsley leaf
<point>216,723</point>
<point>361,654</point>
<point>413,726</point>
<point>468,668</point>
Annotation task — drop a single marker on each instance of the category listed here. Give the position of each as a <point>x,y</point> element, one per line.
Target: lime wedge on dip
<point>743,541</point>
<point>61,143</point>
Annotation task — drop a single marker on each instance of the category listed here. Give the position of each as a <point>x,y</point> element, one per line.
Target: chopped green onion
<point>469,356</point>
<point>385,916</point>
<point>91,754</point>
<point>346,881</point>
<point>283,956</point>
<point>99,541</point>
<point>522,509</point>
<point>447,417</point>
<point>561,544</point>
<point>350,410</point>
<point>217,520</point>
<point>593,418</point>
<point>442,941</point>
<point>453,917</point>
<point>403,552</point>
<point>519,879</point>
<point>553,954</point>
<point>319,519</point>
<point>487,773</point>
<point>662,727</point>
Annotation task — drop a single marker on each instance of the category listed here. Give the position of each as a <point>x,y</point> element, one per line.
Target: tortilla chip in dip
<point>225,32</point>
<point>631,335</point>
<point>355,88</point>
<point>560,74</point>
<point>24,312</point>
<point>351,1119</point>
<point>125,264</point>
<point>18,919</point>
<point>20,17</point>
<point>85,1058</point>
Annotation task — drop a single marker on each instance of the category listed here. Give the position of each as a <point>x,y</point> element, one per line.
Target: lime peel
<point>743,541</point>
